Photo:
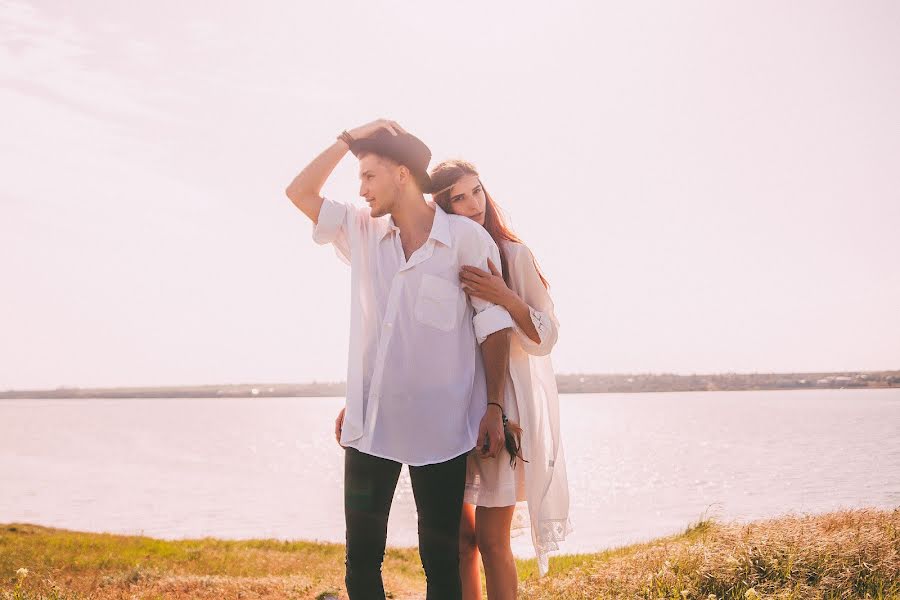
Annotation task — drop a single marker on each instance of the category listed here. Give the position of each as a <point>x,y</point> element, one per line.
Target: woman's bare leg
<point>492,534</point>
<point>469,572</point>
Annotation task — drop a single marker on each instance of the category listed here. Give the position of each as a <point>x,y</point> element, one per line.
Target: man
<point>420,391</point>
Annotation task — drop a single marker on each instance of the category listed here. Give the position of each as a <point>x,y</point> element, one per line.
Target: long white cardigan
<point>534,383</point>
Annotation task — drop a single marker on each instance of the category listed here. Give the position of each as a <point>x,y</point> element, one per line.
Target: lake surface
<point>640,465</point>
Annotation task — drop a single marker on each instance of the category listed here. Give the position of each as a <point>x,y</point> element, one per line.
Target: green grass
<point>847,555</point>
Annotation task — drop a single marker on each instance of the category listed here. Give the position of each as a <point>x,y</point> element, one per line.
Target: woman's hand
<point>364,131</point>
<point>339,425</point>
<point>484,285</point>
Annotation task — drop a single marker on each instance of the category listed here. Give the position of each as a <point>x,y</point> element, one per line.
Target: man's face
<point>379,183</point>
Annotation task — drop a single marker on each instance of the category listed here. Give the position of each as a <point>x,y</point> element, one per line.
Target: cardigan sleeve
<point>525,281</point>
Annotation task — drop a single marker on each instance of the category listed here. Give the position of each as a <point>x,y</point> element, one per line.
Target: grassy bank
<point>849,554</point>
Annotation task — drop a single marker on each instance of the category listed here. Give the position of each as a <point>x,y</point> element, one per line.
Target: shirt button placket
<point>390,314</point>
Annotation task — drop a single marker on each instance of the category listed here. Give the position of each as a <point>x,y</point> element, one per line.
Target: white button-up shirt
<point>416,388</point>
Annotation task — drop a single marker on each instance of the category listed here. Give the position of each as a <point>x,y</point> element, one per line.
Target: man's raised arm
<point>305,190</point>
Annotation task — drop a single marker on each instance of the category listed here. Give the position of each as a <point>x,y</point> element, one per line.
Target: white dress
<point>531,399</point>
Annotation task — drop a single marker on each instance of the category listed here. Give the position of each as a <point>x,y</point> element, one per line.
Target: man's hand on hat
<point>364,131</point>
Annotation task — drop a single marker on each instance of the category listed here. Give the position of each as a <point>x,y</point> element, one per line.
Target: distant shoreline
<point>577,383</point>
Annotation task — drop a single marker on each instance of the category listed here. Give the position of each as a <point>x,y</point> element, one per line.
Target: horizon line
<point>343,382</point>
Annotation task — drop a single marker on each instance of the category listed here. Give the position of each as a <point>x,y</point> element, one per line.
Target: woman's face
<point>467,198</point>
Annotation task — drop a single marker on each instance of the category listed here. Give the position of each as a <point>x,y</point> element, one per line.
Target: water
<point>640,465</point>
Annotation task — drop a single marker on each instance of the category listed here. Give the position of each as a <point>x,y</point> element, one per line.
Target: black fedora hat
<point>403,148</point>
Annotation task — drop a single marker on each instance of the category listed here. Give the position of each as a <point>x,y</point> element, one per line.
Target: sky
<point>708,186</point>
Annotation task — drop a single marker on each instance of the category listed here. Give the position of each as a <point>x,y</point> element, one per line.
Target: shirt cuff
<point>331,217</point>
<point>491,320</point>
<point>541,324</point>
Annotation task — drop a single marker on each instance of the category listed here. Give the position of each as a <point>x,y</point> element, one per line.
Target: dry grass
<point>850,554</point>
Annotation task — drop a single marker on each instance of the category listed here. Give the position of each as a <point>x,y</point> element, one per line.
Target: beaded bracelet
<point>346,137</point>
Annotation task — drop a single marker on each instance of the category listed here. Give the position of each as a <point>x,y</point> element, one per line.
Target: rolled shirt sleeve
<point>491,320</point>
<point>489,317</point>
<point>332,227</point>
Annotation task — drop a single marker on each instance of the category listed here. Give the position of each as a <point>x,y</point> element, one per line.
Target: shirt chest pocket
<point>438,303</point>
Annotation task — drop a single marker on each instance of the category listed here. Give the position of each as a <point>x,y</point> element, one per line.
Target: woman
<point>536,473</point>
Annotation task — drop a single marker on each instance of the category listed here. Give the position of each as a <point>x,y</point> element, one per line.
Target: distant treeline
<point>568,384</point>
<point>665,382</point>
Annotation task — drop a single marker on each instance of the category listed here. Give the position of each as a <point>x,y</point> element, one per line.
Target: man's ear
<point>403,173</point>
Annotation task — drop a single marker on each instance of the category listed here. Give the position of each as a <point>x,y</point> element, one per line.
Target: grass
<point>847,554</point>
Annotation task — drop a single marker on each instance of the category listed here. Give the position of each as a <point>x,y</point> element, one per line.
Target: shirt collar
<point>440,228</point>
<point>391,227</point>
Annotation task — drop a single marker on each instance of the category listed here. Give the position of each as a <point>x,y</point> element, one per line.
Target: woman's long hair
<point>444,176</point>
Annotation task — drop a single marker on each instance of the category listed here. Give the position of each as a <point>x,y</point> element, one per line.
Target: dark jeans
<point>369,484</point>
